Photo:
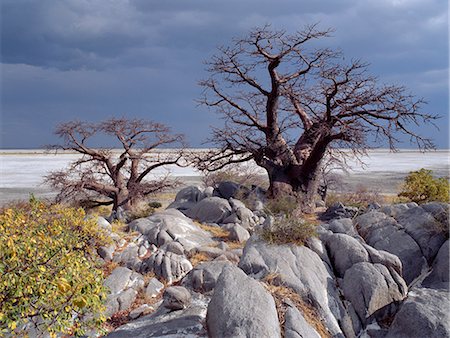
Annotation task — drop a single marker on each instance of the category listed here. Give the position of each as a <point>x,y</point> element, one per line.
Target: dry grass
<point>235,245</point>
<point>108,267</point>
<point>360,198</point>
<point>217,232</point>
<point>198,258</point>
<point>282,293</point>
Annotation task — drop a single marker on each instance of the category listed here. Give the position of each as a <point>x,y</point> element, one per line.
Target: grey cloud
<point>64,59</point>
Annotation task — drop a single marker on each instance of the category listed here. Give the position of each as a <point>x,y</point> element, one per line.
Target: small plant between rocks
<point>289,229</point>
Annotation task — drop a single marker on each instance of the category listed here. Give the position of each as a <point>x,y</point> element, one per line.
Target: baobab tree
<point>285,103</point>
<point>106,177</point>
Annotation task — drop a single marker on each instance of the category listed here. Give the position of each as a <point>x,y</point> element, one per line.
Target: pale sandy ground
<point>22,171</point>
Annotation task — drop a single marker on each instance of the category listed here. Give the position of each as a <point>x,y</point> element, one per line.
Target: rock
<point>209,251</point>
<point>210,210</point>
<point>231,219</point>
<point>439,276</point>
<point>186,198</point>
<point>423,314</point>
<point>343,226</point>
<point>171,225</point>
<point>396,209</point>
<point>208,192</point>
<point>223,246</point>
<point>126,299</point>
<point>302,270</point>
<point>140,311</point>
<point>227,189</point>
<point>122,278</point>
<point>424,229</point>
<point>238,233</point>
<point>104,224</point>
<point>129,257</point>
<point>203,277</point>
<point>154,287</point>
<point>168,265</point>
<point>383,257</point>
<point>384,233</point>
<point>106,252</point>
<point>344,251</point>
<point>176,298</point>
<point>373,290</point>
<point>164,323</point>
<point>319,248</point>
<point>295,325</point>
<point>142,251</point>
<point>237,311</point>
<point>174,247</point>
<point>123,285</point>
<point>338,210</point>
<point>440,211</point>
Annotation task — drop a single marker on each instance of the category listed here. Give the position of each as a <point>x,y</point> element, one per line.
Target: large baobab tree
<point>285,103</point>
<point>106,176</point>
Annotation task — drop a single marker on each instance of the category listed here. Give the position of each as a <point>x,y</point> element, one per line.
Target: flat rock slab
<point>182,323</point>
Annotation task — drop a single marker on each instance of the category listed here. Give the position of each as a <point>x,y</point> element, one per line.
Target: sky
<point>94,59</point>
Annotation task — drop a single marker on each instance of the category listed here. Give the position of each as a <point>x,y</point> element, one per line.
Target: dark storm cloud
<point>93,59</point>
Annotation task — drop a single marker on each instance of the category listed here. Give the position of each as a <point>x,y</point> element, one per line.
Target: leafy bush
<point>421,187</point>
<point>289,229</point>
<point>49,280</point>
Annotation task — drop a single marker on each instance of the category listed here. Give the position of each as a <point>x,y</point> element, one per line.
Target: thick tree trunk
<point>121,199</point>
<point>304,188</point>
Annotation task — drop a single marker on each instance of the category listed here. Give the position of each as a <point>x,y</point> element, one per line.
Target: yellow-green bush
<point>421,187</point>
<point>48,272</point>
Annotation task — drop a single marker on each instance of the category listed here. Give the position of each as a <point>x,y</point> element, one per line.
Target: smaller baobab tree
<point>111,177</point>
<point>286,103</point>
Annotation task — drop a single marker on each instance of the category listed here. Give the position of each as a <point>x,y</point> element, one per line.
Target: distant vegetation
<point>49,279</point>
<point>421,187</point>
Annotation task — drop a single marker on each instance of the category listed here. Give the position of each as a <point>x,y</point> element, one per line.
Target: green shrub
<point>421,187</point>
<point>289,229</point>
<point>48,272</point>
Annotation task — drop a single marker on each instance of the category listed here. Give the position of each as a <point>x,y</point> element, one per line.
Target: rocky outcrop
<point>186,198</point>
<point>439,276</point>
<point>165,323</point>
<point>373,290</point>
<point>123,285</point>
<point>296,326</point>
<point>384,233</point>
<point>302,270</point>
<point>210,210</point>
<point>176,298</point>
<point>237,311</point>
<point>354,274</point>
<point>203,277</point>
<point>167,265</point>
<point>171,225</point>
<point>424,314</point>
